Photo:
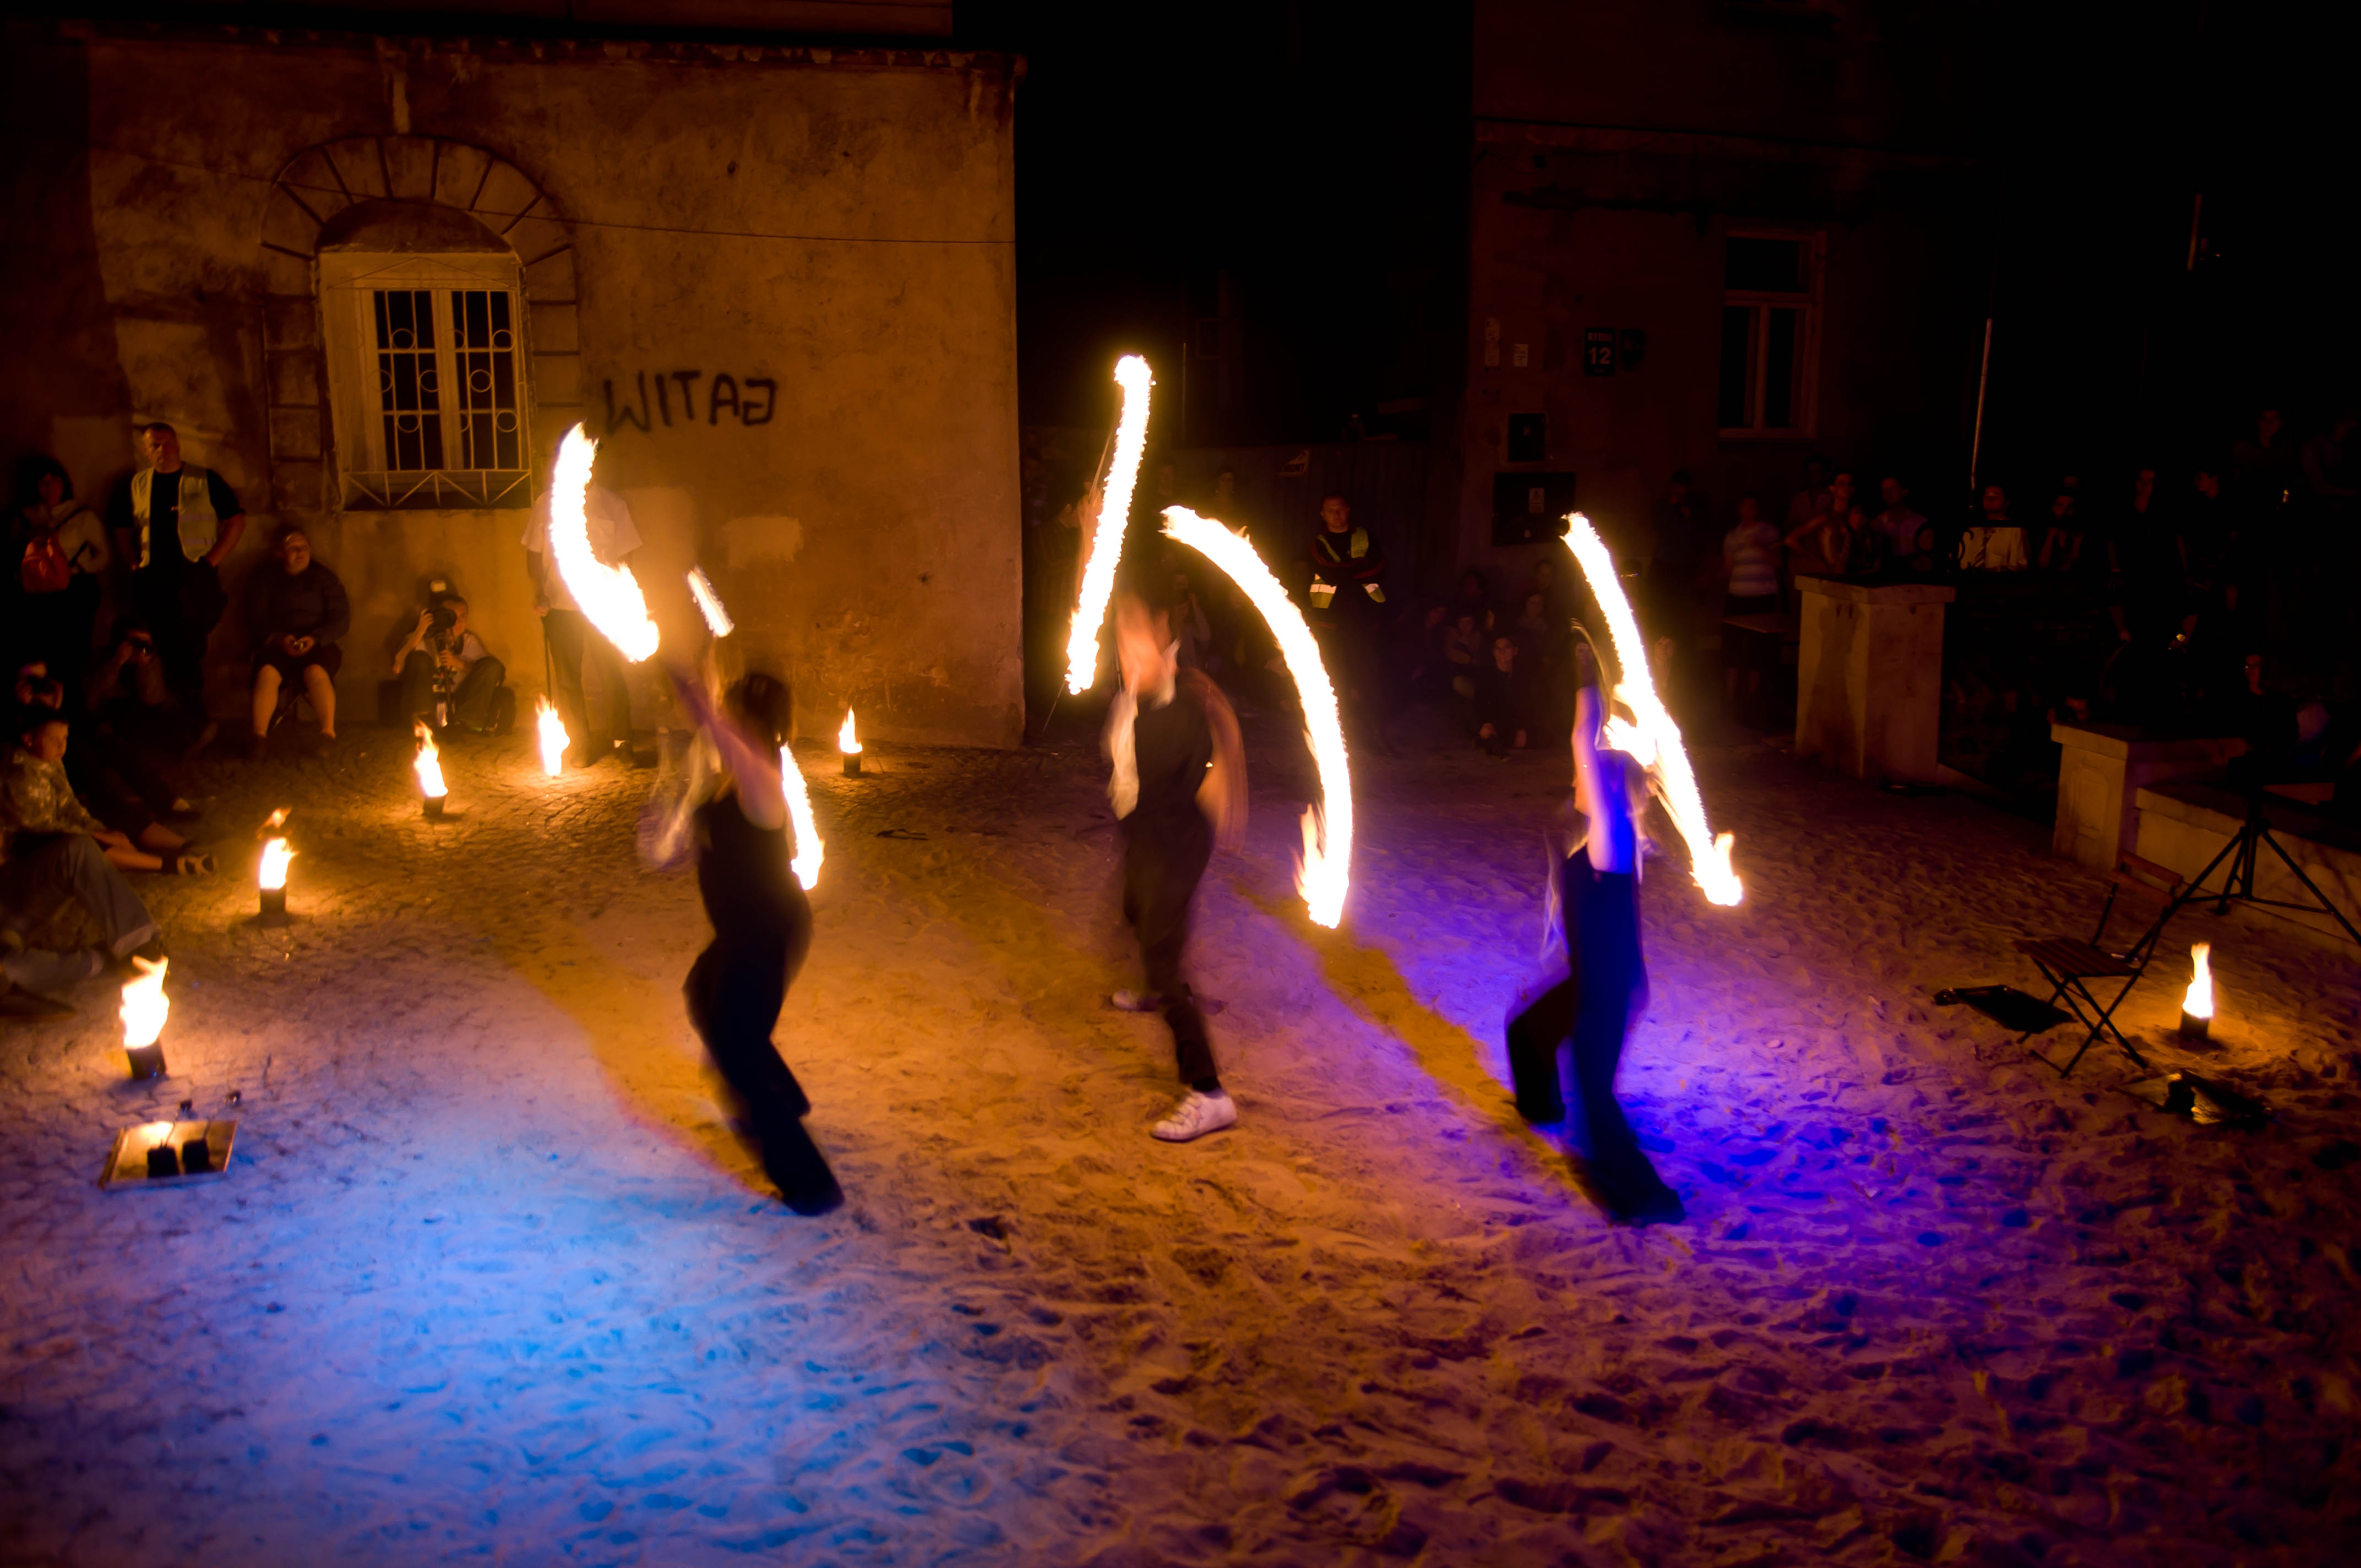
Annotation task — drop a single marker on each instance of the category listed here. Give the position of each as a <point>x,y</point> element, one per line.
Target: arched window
<point>423,320</point>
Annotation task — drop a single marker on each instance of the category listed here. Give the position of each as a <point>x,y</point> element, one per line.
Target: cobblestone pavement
<point>489,1281</point>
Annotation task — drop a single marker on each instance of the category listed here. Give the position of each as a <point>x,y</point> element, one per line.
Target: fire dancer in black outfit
<point>762,930</point>
<point>1605,984</point>
<point>1179,785</point>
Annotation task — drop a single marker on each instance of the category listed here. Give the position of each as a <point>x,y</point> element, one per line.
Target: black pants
<point>470,704</point>
<point>181,605</point>
<point>1162,863</point>
<point>1592,1004</point>
<point>572,640</point>
<point>735,991</point>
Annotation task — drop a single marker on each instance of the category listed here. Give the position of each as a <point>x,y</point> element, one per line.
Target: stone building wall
<point>777,283</point>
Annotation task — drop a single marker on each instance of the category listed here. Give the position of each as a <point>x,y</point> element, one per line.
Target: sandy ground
<point>488,1282</point>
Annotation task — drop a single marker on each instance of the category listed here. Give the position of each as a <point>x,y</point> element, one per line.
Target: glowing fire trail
<point>610,595</point>
<point>550,729</point>
<point>1327,872</point>
<point>430,766</point>
<point>1654,740</point>
<point>2198,1001</point>
<point>700,588</point>
<point>1131,373</point>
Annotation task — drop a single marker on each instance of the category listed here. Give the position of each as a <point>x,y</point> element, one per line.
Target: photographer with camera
<point>448,677</point>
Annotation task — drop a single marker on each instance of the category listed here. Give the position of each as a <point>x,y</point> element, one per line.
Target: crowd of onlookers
<point>102,719</point>
<point>2188,595</point>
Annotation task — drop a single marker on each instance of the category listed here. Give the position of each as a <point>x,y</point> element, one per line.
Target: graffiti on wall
<point>679,399</point>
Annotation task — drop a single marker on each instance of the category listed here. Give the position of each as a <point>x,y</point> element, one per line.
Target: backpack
<point>44,569</point>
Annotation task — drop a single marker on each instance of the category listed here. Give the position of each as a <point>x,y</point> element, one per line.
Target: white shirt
<point>1989,549</point>
<point>607,517</point>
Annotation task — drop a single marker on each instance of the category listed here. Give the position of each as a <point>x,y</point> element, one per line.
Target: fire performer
<point>761,928</point>
<point>1179,786</point>
<point>1603,984</point>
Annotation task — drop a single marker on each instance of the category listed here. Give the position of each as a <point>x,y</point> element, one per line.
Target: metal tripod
<point>2243,851</point>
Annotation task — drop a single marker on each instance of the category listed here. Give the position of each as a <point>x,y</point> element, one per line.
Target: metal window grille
<point>449,402</point>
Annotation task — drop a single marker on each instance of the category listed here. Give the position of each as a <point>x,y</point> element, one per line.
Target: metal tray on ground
<point>126,1163</point>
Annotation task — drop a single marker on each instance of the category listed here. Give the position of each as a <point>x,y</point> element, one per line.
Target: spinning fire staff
<point>1179,786</point>
<point>761,928</point>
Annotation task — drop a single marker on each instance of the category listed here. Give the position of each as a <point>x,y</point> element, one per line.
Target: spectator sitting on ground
<point>443,661</point>
<point>38,799</point>
<point>1907,538</point>
<point>298,613</point>
<point>1993,543</point>
<point>1504,699</point>
<point>127,696</point>
<point>38,873</point>
<point>110,779</point>
<point>1463,649</point>
<point>1475,597</point>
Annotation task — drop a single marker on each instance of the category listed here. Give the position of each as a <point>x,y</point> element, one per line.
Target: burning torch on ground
<point>430,773</point>
<point>2197,1002</point>
<point>848,745</point>
<point>550,730</point>
<point>145,1008</point>
<point>273,874</point>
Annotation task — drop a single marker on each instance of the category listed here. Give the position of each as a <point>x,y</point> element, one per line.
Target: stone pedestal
<point>1869,679</point>
<point>2099,775</point>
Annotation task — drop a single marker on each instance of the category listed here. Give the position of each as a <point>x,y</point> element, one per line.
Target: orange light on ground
<point>610,595</point>
<point>1325,874</point>
<point>1131,373</point>
<point>551,733</point>
<point>1652,738</point>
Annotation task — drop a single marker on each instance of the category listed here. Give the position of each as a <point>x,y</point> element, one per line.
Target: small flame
<point>275,856</point>
<point>1651,739</point>
<point>430,765</point>
<point>701,590</point>
<point>846,741</point>
<point>1131,373</point>
<point>610,595</point>
<point>275,821</point>
<point>552,730</point>
<point>145,1006</point>
<point>1326,873</point>
<point>2198,1000</point>
<point>809,849</point>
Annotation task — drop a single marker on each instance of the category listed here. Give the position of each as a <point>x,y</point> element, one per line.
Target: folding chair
<point>2070,966</point>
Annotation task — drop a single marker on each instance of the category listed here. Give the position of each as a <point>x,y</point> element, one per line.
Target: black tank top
<point>751,896</point>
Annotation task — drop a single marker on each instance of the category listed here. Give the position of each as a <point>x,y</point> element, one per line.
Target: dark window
<point>407,392</point>
<point>1737,364</point>
<point>485,343</point>
<point>1766,266</point>
<point>1779,369</point>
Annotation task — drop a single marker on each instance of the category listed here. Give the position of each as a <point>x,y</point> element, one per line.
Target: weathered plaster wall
<point>837,223</point>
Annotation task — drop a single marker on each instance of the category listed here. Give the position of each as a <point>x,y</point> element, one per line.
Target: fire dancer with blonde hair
<point>761,928</point>
<point>1179,787</point>
<point>1602,982</point>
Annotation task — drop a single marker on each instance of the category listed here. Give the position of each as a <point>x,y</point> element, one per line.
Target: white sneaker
<point>1196,1115</point>
<point>1137,1001</point>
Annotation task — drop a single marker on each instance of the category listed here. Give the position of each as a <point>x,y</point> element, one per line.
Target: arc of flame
<point>275,856</point>
<point>847,740</point>
<point>610,595</point>
<point>550,730</point>
<point>2198,1000</point>
<point>701,589</point>
<point>1653,739</point>
<point>1325,875</point>
<point>1131,373</point>
<point>145,1006</point>
<point>429,765</point>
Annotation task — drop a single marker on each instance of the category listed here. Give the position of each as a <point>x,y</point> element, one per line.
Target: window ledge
<point>441,489</point>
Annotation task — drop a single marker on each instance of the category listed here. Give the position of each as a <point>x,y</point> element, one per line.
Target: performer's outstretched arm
<point>756,770</point>
<point>1601,789</point>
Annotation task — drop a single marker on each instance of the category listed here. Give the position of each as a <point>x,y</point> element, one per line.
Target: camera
<point>444,617</point>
